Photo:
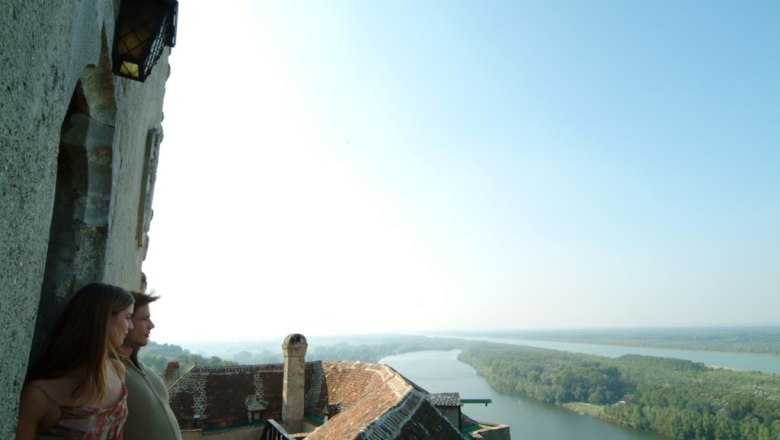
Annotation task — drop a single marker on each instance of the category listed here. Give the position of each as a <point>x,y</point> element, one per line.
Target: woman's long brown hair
<point>79,339</point>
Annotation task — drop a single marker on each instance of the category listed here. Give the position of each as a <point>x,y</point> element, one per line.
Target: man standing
<point>150,415</point>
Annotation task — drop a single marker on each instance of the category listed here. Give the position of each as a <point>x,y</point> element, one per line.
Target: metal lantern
<point>143,28</point>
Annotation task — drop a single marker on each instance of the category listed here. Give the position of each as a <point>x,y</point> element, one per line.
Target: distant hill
<point>347,348</point>
<point>156,356</point>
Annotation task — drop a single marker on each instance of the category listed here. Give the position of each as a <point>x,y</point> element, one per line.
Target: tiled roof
<point>448,400</point>
<point>378,403</point>
<point>364,401</point>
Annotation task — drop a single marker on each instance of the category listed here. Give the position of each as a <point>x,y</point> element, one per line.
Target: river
<point>442,372</point>
<point>734,361</point>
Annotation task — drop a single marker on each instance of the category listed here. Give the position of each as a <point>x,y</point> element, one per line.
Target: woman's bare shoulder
<point>120,367</point>
<point>50,390</point>
<point>38,390</point>
<point>37,408</point>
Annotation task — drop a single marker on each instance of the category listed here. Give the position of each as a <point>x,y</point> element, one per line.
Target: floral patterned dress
<point>86,423</point>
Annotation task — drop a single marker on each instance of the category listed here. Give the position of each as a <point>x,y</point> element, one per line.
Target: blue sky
<point>436,165</point>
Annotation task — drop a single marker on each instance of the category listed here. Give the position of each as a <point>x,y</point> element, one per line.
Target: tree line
<point>758,339</point>
<point>156,356</point>
<point>677,398</point>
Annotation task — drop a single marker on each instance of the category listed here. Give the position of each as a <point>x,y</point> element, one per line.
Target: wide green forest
<point>678,398</point>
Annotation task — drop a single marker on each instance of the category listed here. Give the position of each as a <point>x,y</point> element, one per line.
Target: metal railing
<point>274,431</point>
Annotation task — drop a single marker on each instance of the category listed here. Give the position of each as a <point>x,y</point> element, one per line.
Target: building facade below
<point>341,400</point>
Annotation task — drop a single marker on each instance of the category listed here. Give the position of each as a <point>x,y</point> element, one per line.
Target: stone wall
<point>78,150</point>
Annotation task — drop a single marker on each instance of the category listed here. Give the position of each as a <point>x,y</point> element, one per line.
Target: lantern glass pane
<point>143,29</point>
<point>140,25</point>
<point>130,69</point>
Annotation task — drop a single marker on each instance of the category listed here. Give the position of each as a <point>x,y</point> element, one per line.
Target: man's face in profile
<point>138,336</point>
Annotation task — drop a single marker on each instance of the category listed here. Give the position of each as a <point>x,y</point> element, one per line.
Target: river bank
<point>676,397</point>
<point>442,372</point>
<point>733,361</point>
<point>585,408</point>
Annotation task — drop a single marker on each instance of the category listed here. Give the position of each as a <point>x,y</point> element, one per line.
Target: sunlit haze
<point>336,167</point>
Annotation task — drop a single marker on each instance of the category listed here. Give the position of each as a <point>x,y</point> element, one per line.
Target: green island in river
<point>673,397</point>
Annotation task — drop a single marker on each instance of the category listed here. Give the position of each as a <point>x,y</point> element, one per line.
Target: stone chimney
<point>172,373</point>
<point>294,349</point>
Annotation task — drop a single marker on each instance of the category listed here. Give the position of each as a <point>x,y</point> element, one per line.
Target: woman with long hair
<point>76,389</point>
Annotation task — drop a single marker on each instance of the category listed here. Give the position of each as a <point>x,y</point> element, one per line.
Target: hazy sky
<point>365,166</point>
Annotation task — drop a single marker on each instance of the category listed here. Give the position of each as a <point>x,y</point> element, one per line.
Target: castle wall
<point>78,150</point>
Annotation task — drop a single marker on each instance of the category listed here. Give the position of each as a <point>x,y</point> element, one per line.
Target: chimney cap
<point>294,339</point>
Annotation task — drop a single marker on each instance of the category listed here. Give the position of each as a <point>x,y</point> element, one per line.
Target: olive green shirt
<point>150,415</point>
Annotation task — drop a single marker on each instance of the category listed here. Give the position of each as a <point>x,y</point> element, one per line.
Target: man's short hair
<point>142,299</point>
